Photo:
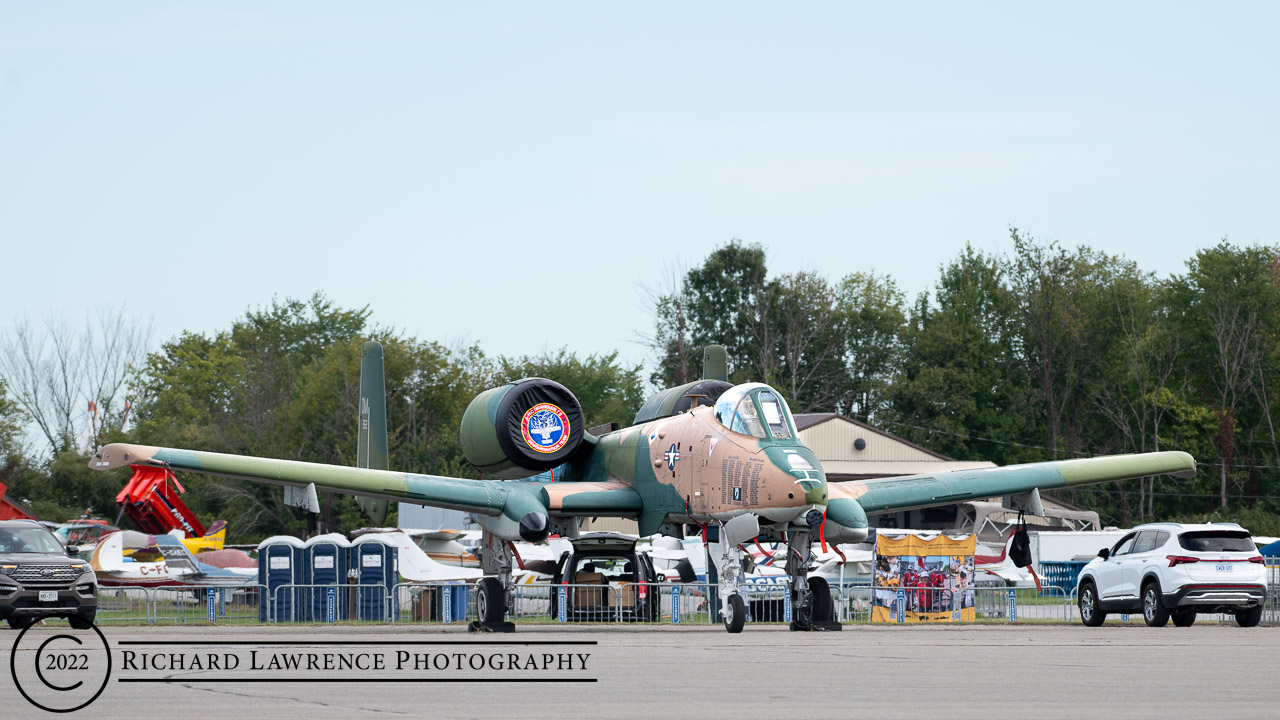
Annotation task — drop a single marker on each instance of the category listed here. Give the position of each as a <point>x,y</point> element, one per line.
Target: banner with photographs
<point>923,578</point>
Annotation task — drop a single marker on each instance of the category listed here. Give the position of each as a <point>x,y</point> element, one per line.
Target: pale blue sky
<point>513,173</point>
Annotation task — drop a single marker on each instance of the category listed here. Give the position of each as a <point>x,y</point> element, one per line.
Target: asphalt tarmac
<point>985,671</point>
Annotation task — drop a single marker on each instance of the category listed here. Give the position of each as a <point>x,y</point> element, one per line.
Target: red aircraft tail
<point>151,499</point>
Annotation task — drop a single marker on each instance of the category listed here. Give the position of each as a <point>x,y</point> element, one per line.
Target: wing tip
<point>1187,465</point>
<point>118,455</point>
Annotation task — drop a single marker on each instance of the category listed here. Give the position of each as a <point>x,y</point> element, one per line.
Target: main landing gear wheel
<point>494,591</point>
<point>490,600</point>
<point>823,609</point>
<point>737,615</point>
<point>491,607</point>
<point>811,605</point>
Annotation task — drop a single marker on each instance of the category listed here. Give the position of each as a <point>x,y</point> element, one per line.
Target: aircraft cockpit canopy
<point>755,409</point>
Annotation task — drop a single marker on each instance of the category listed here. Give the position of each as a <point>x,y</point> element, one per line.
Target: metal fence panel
<point>766,603</point>
<point>946,605</point>
<point>124,605</point>
<point>330,603</point>
<point>1271,610</point>
<point>853,604</point>
<point>682,603</point>
<point>435,602</point>
<point>202,603</point>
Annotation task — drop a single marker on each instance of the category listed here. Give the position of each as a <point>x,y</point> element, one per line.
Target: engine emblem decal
<point>545,428</point>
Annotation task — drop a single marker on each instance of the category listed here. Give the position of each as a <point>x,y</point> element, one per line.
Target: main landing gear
<point>811,604</point>
<point>812,608</point>
<point>495,593</point>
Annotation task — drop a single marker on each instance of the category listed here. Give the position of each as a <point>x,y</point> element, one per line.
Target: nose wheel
<point>736,614</point>
<point>733,609</point>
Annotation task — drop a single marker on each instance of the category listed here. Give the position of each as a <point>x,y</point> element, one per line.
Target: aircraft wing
<point>512,499</point>
<point>918,491</point>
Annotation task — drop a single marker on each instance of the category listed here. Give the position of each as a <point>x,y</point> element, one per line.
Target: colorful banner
<point>925,578</point>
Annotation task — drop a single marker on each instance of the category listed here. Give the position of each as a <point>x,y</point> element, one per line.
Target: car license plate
<point>1226,567</point>
<point>48,596</point>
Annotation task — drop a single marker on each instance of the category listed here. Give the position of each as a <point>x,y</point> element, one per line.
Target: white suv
<point>1169,570</point>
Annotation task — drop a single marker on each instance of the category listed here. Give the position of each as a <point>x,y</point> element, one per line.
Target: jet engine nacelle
<point>522,428</point>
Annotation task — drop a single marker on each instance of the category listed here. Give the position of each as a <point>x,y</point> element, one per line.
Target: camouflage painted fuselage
<point>691,469</point>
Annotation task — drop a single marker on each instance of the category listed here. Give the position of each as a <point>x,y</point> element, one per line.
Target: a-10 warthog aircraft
<point>708,453</point>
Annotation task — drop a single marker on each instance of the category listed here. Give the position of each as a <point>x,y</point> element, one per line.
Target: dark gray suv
<point>39,578</point>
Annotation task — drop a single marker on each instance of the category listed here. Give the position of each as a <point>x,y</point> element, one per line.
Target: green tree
<point>1067,327</point>
<point>607,391</point>
<point>187,394</point>
<point>277,343</point>
<point>1227,308</point>
<point>872,319</point>
<point>238,392</point>
<point>1138,379</point>
<point>11,422</point>
<point>678,361</point>
<point>728,297</point>
<point>961,383</point>
<point>718,302</point>
<point>785,331</point>
<point>799,348</point>
<point>284,382</point>
<point>16,471</point>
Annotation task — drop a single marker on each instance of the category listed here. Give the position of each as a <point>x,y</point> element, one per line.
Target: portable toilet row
<point>323,564</point>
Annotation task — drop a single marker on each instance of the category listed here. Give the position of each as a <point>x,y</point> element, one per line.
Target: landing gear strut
<point>811,604</point>
<point>733,608</point>
<point>496,590</point>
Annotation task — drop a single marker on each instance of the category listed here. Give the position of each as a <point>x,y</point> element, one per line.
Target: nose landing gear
<point>732,606</point>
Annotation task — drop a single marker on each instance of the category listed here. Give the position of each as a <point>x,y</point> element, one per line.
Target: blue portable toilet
<point>376,561</point>
<point>326,564</point>
<point>280,563</point>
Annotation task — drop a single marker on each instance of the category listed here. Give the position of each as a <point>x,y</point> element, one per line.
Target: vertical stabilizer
<point>715,365</point>
<point>372,438</point>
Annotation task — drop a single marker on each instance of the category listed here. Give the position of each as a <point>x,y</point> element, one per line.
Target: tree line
<point>283,381</point>
<point>1044,353</point>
